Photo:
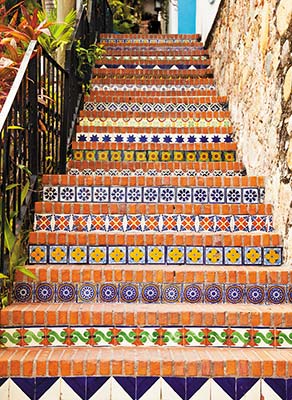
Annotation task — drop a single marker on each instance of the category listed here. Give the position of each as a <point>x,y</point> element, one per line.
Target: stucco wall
<point>251,51</point>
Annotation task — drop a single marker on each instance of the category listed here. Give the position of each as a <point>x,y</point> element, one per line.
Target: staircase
<point>159,274</point>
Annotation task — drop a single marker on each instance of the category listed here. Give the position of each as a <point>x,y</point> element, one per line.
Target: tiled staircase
<point>159,274</point>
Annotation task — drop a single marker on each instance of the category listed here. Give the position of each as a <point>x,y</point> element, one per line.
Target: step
<point>196,89</point>
<point>230,275</point>
<point>154,336</point>
<point>131,153</point>
<point>176,315</point>
<point>220,119</point>
<point>163,208</point>
<point>128,80</point>
<point>111,62</point>
<point>161,44</point>
<point>146,134</point>
<point>150,65</point>
<point>154,97</point>
<point>136,362</point>
<point>147,189</point>
<point>192,169</point>
<point>146,38</point>
<point>120,146</point>
<point>198,95</point>
<point>151,106</point>
<point>152,50</point>
<point>138,74</point>
<point>151,223</point>
<point>157,57</point>
<point>145,248</point>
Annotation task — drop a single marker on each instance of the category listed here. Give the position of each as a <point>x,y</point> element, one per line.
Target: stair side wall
<point>251,52</point>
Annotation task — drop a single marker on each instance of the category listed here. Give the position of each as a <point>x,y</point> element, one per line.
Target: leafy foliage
<point>60,32</point>
<point>126,14</point>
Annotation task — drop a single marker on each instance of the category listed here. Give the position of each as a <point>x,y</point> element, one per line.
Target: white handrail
<point>16,83</point>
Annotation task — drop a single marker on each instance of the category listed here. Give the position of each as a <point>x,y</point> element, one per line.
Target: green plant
<point>86,59</point>
<point>14,245</point>
<point>126,14</point>
<point>60,32</point>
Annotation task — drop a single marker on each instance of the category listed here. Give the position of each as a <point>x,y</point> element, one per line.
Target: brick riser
<point>178,297</point>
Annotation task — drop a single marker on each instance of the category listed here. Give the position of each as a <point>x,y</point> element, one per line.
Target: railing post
<point>33,134</point>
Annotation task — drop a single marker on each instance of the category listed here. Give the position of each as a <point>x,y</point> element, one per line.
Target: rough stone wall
<point>251,51</point>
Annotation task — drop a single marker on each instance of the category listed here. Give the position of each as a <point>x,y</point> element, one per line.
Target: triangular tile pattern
<point>155,254</point>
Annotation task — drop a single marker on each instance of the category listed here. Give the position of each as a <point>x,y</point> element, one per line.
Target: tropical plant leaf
<point>25,271</point>
<point>9,237</point>
<point>2,276</point>
<point>24,192</point>
<point>11,186</point>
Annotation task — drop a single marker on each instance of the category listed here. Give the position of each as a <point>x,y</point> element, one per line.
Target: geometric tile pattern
<point>151,87</point>
<point>165,255</point>
<point>155,107</point>
<point>153,138</point>
<point>155,172</point>
<point>152,66</point>
<point>152,223</point>
<point>144,388</point>
<point>155,122</point>
<point>190,336</point>
<point>153,293</point>
<point>155,155</point>
<point>153,194</point>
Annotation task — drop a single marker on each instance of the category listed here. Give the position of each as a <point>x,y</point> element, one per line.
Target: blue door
<point>186,16</point>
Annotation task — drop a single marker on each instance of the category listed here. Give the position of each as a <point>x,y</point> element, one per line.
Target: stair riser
<point>152,223</point>
<point>155,146</point>
<point>86,168</point>
<point>172,120</point>
<point>132,156</point>
<point>142,65</point>
<point>150,293</point>
<point>133,253</point>
<point>152,107</point>
<point>198,90</point>
<point>176,135</point>
<point>154,97</point>
<point>154,336</point>
<point>152,194</point>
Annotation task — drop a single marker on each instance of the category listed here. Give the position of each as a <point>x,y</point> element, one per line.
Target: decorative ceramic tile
<point>155,172</point>
<point>154,122</point>
<point>84,194</point>
<point>37,254</point>
<point>155,107</point>
<point>144,87</point>
<point>137,194</point>
<point>248,388</point>
<point>223,389</point>
<point>149,138</point>
<point>58,255</point>
<point>272,256</point>
<point>214,255</point>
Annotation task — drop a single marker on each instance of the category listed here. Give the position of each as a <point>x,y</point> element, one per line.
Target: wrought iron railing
<point>91,22</point>
<point>37,122</point>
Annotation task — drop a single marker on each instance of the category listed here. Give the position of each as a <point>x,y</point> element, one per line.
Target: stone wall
<point>251,50</point>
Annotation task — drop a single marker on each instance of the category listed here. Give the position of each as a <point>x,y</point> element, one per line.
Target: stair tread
<point>155,361</point>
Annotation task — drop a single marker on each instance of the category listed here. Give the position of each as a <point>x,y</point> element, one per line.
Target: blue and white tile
<point>273,389</point>
<point>149,388</point>
<point>73,388</point>
<point>21,388</point>
<point>123,388</point>
<point>223,389</point>
<point>4,388</point>
<point>48,388</point>
<point>198,388</point>
<point>248,389</point>
<point>173,388</point>
<point>98,388</point>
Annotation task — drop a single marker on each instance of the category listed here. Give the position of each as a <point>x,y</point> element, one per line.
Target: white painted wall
<point>173,16</point>
<point>206,14</point>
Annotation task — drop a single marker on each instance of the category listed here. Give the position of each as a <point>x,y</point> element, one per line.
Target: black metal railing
<point>91,21</point>
<point>37,121</point>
